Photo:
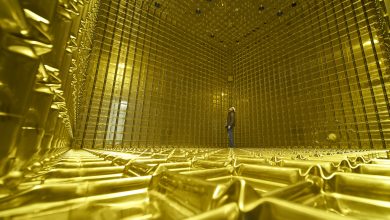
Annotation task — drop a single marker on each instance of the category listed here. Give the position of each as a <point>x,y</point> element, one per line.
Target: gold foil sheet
<point>144,86</point>
<point>154,185</point>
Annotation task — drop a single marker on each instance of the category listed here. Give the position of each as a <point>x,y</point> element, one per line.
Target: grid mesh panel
<point>151,83</point>
<point>312,75</point>
<point>316,72</point>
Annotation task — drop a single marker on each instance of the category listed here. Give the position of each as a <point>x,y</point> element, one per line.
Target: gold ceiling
<point>225,22</point>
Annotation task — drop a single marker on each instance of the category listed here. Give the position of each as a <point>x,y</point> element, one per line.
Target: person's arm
<point>231,120</point>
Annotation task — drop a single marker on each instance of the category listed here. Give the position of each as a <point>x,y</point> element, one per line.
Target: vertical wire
<point>152,30</point>
<point>95,78</point>
<point>380,76</point>
<point>361,96</point>
<point>373,99</point>
<point>323,85</point>
<point>346,75</point>
<point>102,95</point>
<point>150,135</point>
<point>128,46</point>
<point>112,95</point>
<point>132,70</point>
<point>140,73</point>
<point>338,87</point>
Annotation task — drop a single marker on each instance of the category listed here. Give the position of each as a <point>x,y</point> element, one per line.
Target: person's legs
<point>231,138</point>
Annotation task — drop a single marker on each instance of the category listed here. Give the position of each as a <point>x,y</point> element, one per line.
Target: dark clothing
<point>231,119</point>
<point>230,137</point>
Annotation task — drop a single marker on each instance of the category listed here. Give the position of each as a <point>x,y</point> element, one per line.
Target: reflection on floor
<point>200,183</point>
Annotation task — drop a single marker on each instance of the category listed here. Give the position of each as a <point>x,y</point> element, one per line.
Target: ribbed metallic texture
<point>151,83</point>
<point>319,70</point>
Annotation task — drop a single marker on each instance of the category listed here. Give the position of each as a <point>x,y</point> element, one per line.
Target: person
<point>231,122</point>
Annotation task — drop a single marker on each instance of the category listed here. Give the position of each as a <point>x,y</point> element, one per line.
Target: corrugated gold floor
<point>204,184</point>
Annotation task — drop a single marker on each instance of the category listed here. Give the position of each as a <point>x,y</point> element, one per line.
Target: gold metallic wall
<point>150,82</point>
<point>43,48</point>
<point>318,71</point>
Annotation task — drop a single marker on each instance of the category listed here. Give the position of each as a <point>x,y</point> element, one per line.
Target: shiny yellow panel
<point>317,71</point>
<point>116,109</point>
<point>151,82</point>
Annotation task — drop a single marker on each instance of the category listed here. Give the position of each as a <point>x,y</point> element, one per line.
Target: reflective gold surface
<point>317,71</point>
<point>206,183</point>
<point>311,74</point>
<point>34,78</point>
<point>115,109</point>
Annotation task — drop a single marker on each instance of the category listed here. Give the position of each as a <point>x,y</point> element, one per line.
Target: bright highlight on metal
<point>116,109</point>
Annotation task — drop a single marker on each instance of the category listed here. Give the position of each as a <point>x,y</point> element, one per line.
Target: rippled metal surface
<point>205,184</point>
<point>150,82</point>
<point>38,86</point>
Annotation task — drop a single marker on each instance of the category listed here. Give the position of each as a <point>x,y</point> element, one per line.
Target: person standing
<point>230,123</point>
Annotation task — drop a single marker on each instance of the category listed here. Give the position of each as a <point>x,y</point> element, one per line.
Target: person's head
<point>232,109</point>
